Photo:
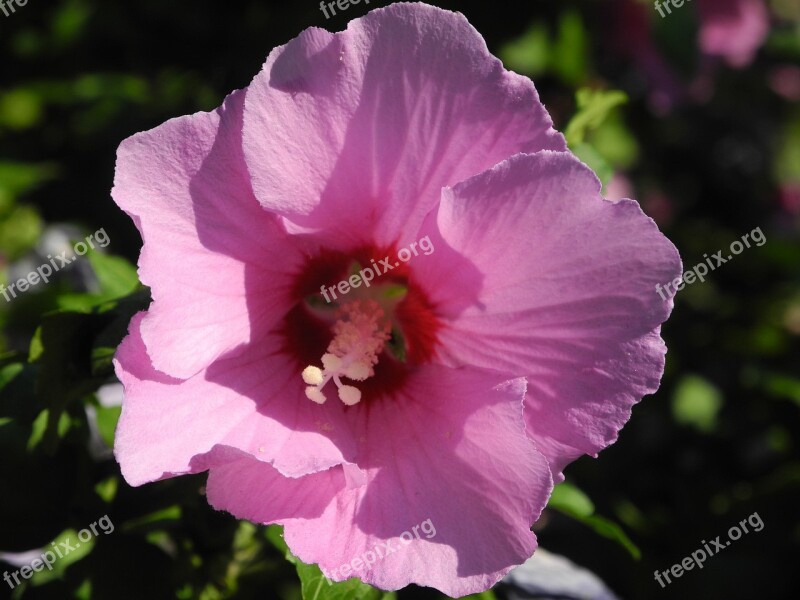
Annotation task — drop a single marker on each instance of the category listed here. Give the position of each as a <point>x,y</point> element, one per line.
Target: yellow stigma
<point>360,334</point>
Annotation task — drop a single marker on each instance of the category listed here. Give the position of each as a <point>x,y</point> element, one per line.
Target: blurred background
<point>694,113</point>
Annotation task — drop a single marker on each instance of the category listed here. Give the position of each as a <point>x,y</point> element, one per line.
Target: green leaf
<point>17,178</point>
<point>40,426</point>
<point>153,521</point>
<point>84,592</point>
<point>9,372</point>
<point>107,418</point>
<point>107,489</point>
<point>82,303</point>
<point>563,54</point>
<point>20,230</point>
<point>105,344</point>
<point>614,142</point>
<point>20,109</point>
<point>529,54</point>
<point>18,411</point>
<point>595,161</point>
<point>62,352</point>
<point>594,107</point>
<point>315,586</point>
<point>487,595</point>
<point>569,59</point>
<point>696,403</point>
<point>36,348</point>
<point>73,353</point>
<point>571,501</point>
<point>611,530</point>
<point>116,276</point>
<point>79,551</point>
<point>782,386</point>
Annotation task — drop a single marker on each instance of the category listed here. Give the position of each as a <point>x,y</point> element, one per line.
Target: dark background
<point>711,150</point>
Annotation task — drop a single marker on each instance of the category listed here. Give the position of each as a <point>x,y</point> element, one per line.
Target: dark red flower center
<point>360,320</point>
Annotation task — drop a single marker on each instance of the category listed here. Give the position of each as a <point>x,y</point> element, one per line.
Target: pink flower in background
<point>631,23</point>
<point>733,29</point>
<point>789,197</point>
<point>457,386</point>
<point>784,80</point>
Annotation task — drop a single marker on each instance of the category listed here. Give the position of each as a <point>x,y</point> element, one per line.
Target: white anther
<point>313,375</point>
<point>331,362</point>
<point>358,371</point>
<point>349,395</point>
<point>359,337</point>
<point>315,394</point>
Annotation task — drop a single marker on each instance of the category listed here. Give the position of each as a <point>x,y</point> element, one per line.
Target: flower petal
<point>210,248</point>
<point>357,132</point>
<point>561,289</point>
<point>261,493</point>
<point>447,455</point>
<point>252,401</point>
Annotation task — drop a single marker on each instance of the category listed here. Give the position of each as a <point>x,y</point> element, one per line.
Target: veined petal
<point>217,263</point>
<point>252,402</point>
<point>561,288</point>
<point>448,461</point>
<point>355,133</point>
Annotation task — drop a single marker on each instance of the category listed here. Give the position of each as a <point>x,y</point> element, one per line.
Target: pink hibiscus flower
<point>733,29</point>
<point>409,437</point>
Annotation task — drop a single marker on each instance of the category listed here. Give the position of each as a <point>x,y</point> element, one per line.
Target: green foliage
<point>116,278</point>
<point>594,107</point>
<point>17,178</point>
<point>696,402</point>
<point>784,386</point>
<point>529,53</point>
<point>20,229</point>
<point>20,109</point>
<point>67,352</point>
<point>561,50</point>
<point>20,225</point>
<point>787,162</point>
<point>315,586</point>
<point>571,501</point>
<point>595,161</point>
<point>609,143</point>
<point>614,141</point>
